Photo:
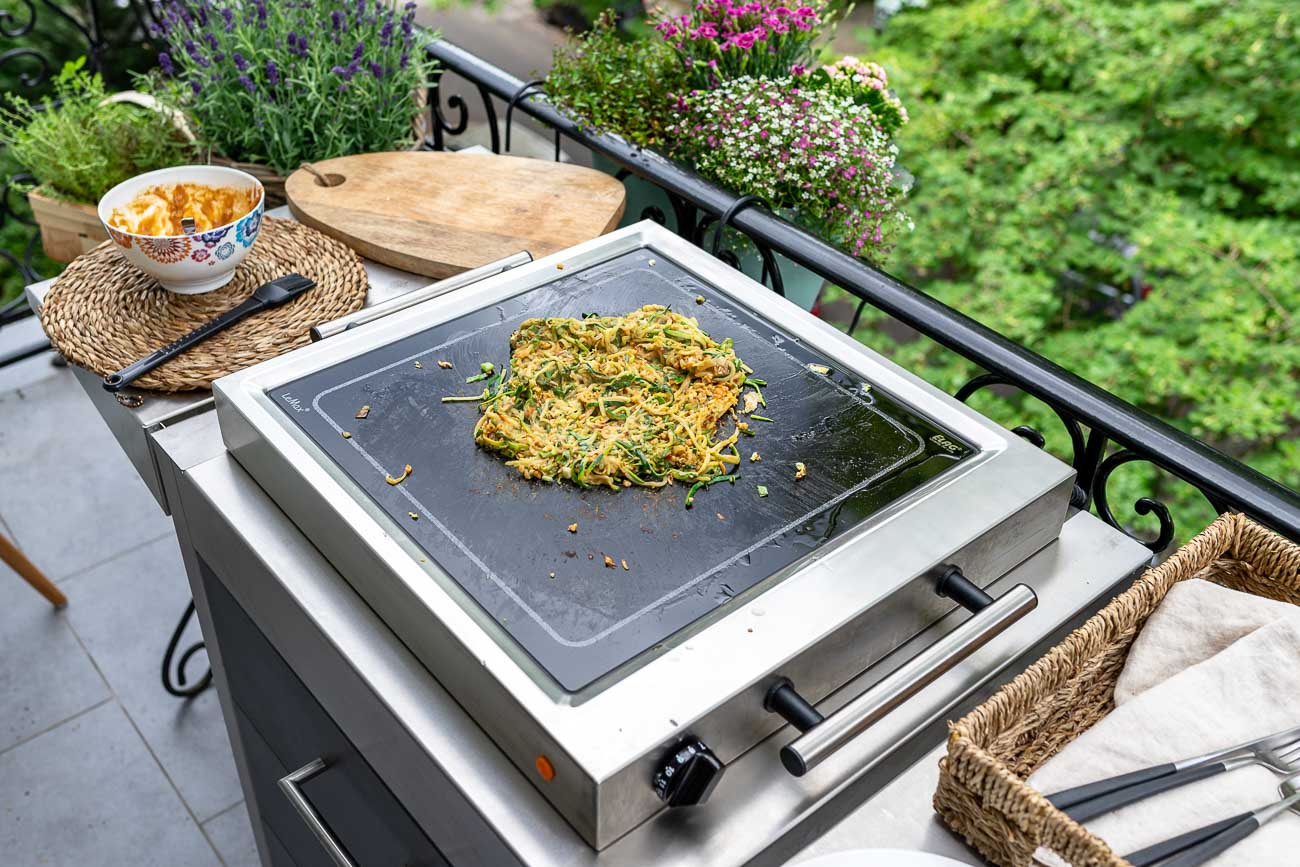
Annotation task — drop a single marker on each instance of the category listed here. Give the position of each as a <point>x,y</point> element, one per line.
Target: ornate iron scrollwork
<point>180,688</point>
<point>1143,506</point>
<point>1092,466</point>
<point>440,127</point>
<point>771,273</point>
<point>10,30</point>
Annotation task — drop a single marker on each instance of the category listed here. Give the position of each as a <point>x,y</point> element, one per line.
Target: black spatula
<point>268,295</point>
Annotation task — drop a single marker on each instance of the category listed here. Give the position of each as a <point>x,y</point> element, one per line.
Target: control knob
<point>688,774</point>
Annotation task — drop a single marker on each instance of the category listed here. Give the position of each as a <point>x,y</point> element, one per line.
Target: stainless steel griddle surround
<point>819,623</point>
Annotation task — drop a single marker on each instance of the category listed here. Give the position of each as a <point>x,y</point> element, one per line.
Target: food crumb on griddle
<point>419,365</point>
<point>721,517</point>
<point>552,576</point>
<point>819,368</point>
<point>609,562</point>
<point>751,402</point>
<point>762,490</point>
<point>755,457</point>
<point>624,562</point>
<point>346,435</point>
<point>446,365</point>
<point>651,263</point>
<point>397,481</point>
<point>699,299</point>
<point>591,556</point>
<point>363,412</point>
<point>800,470</point>
<point>749,629</point>
<point>573,528</point>
<point>559,266</point>
<point>414,517</point>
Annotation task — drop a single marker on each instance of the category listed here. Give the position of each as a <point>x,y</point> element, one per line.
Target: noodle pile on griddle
<point>610,400</point>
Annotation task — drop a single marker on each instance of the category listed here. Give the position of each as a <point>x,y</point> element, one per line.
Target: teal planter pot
<point>801,285</point>
<point>641,194</point>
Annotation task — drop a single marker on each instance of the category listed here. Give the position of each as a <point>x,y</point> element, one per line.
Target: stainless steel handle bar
<point>415,296</point>
<point>289,785</point>
<point>821,741</point>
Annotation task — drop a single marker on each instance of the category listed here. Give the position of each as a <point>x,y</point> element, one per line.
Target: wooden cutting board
<point>439,213</point>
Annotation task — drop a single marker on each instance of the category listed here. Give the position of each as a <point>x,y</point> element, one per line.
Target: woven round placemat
<point>103,313</point>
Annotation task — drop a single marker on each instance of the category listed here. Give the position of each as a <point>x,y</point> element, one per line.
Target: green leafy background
<point>1049,135</point>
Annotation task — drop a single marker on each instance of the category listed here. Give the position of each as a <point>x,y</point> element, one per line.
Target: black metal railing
<point>1105,431</point>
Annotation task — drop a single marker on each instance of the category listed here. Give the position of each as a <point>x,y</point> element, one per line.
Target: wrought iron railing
<point>1105,432</point>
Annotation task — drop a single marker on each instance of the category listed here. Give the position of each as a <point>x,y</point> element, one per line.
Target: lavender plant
<point>283,83</point>
<point>720,40</point>
<point>814,154</point>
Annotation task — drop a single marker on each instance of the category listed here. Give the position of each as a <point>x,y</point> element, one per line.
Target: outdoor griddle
<point>617,689</point>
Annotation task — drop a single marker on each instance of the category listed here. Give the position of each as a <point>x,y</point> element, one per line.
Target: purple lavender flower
<point>405,59</point>
<point>272,73</point>
<point>240,63</point>
<point>375,69</point>
<point>165,61</point>
<point>211,40</point>
<point>248,83</point>
<point>194,86</point>
<point>228,15</point>
<point>358,51</point>
<point>386,33</point>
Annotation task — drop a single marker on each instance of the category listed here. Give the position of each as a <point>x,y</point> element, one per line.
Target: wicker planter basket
<point>68,228</point>
<point>982,794</point>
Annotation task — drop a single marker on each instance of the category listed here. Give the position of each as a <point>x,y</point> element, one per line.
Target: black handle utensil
<point>266,296</point>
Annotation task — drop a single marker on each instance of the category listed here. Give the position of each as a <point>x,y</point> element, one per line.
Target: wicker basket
<point>982,794</point>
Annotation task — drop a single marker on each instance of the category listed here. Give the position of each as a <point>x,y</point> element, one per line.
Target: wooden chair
<point>33,576</point>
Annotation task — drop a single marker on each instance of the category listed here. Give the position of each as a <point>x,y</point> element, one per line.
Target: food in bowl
<point>159,210</point>
<point>227,223</point>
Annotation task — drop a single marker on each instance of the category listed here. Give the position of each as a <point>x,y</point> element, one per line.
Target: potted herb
<point>269,86</point>
<point>621,86</point>
<point>812,148</point>
<point>79,146</point>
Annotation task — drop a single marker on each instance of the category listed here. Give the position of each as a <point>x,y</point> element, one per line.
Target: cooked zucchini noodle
<point>615,400</point>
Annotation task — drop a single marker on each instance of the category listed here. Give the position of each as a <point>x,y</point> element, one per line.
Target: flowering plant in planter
<point>866,84</point>
<point>720,40</point>
<point>281,83</point>
<point>812,153</point>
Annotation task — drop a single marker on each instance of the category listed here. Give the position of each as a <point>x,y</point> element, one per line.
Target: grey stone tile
<point>88,792</point>
<point>45,676</point>
<point>124,612</point>
<point>232,836</point>
<point>70,497</point>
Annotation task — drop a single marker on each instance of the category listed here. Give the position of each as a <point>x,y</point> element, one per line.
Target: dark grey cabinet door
<point>286,729</point>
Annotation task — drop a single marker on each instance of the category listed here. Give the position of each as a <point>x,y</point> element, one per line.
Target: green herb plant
<point>80,147</point>
<point>618,85</point>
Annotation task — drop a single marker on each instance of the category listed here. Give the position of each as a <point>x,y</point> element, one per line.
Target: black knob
<point>688,774</point>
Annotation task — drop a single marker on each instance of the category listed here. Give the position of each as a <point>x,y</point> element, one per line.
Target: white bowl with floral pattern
<point>187,264</point>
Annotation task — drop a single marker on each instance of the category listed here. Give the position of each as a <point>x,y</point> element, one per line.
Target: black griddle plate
<point>500,536</point>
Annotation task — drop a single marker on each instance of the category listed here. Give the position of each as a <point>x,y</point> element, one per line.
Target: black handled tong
<point>266,296</point>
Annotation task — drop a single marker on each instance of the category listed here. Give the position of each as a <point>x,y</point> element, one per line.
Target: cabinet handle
<point>289,785</point>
